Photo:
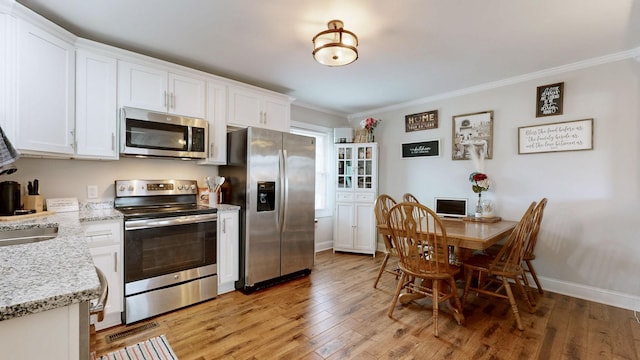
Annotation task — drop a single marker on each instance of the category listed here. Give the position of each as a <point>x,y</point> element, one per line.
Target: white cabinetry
<point>61,333</point>
<point>217,117</point>
<point>45,112</point>
<point>228,250</point>
<point>356,190</point>
<point>105,244</point>
<point>96,108</point>
<point>151,88</point>
<point>249,107</point>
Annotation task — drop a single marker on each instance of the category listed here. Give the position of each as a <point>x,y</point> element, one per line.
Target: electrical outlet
<point>92,191</point>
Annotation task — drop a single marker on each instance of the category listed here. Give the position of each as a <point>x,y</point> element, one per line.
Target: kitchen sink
<point>25,236</point>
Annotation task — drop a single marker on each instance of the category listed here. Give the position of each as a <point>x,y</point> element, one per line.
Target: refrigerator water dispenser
<point>266,196</point>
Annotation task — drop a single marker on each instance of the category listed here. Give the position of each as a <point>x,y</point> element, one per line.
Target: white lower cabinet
<point>105,244</point>
<point>228,250</point>
<point>354,230</point>
<point>61,333</point>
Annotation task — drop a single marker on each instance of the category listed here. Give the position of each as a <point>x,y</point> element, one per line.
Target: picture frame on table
<point>549,99</point>
<point>472,132</point>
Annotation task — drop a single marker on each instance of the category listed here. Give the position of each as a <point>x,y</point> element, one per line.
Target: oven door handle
<point>160,222</point>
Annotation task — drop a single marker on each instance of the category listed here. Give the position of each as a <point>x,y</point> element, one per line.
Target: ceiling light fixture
<point>336,46</point>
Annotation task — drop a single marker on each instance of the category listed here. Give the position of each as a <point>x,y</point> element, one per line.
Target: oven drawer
<point>152,303</point>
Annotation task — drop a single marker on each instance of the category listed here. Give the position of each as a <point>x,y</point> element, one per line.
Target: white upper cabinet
<point>44,122</point>
<point>217,117</point>
<point>151,88</point>
<point>96,107</point>
<point>249,107</point>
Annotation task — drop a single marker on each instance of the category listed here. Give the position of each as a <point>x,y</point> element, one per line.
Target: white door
<point>343,236</point>
<point>186,96</point>
<point>142,87</point>
<point>96,108</point>
<point>46,73</point>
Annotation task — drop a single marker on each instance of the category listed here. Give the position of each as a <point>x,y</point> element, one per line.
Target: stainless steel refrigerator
<point>272,178</point>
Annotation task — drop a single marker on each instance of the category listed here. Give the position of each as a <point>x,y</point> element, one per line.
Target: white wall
<point>588,244</point>
<point>69,178</point>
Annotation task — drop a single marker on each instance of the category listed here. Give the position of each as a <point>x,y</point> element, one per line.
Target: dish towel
<point>8,154</point>
<point>156,348</point>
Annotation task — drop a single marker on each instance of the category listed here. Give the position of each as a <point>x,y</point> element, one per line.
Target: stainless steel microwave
<point>146,133</point>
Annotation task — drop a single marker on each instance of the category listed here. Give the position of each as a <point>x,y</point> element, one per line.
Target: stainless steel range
<point>169,246</point>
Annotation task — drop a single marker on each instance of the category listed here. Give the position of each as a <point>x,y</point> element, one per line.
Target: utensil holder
<point>33,202</point>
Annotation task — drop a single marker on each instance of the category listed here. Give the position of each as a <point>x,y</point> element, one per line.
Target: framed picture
<point>420,149</point>
<point>561,136</point>
<point>472,132</point>
<point>422,121</point>
<point>549,99</point>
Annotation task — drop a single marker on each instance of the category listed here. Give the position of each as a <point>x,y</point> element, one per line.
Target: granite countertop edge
<point>32,276</point>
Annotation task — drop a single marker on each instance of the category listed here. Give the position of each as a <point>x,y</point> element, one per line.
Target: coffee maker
<point>9,197</point>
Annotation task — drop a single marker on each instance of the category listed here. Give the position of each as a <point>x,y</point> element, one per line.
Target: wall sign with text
<point>422,121</point>
<point>419,149</point>
<point>549,99</point>
<point>560,136</point>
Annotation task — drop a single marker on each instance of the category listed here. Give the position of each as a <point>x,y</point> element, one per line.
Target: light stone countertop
<point>53,273</point>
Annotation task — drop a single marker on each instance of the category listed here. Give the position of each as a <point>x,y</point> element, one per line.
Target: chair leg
<point>397,294</point>
<point>531,301</point>
<point>435,299</point>
<point>534,276</point>
<point>524,292</point>
<point>468,273</point>
<point>512,301</point>
<point>457,305</point>
<point>382,267</point>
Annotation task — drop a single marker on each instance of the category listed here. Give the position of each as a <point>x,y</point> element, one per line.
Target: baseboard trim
<point>322,246</point>
<point>603,296</point>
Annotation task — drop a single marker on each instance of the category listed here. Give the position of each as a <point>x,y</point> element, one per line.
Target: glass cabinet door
<point>345,167</point>
<point>364,175</point>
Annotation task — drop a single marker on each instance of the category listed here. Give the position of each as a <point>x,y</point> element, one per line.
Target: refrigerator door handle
<point>282,184</point>
<point>285,195</point>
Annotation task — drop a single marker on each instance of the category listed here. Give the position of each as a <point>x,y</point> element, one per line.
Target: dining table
<point>466,236</point>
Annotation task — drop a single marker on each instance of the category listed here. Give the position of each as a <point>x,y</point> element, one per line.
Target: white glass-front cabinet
<point>96,107</point>
<point>151,88</point>
<point>259,109</point>
<point>228,250</point>
<point>356,185</point>
<point>104,239</point>
<point>46,91</point>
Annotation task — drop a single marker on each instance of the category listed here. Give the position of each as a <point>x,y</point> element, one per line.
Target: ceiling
<point>409,49</point>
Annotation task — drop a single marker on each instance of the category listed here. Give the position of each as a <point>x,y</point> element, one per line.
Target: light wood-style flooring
<point>335,313</point>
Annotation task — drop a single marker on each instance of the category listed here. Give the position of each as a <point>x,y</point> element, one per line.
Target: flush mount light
<point>336,46</point>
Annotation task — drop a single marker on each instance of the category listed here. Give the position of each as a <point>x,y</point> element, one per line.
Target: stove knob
<point>122,188</point>
<point>179,187</point>
<point>193,187</point>
<point>130,188</point>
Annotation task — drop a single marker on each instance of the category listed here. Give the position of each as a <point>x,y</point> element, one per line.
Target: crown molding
<point>632,53</point>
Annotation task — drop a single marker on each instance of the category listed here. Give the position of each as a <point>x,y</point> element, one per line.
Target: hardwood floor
<point>335,313</point>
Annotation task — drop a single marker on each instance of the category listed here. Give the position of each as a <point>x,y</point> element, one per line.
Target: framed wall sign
<point>420,149</point>
<point>472,132</point>
<point>422,121</point>
<point>549,99</point>
<point>560,136</point>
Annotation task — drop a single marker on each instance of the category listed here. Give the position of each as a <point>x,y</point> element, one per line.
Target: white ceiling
<point>409,49</point>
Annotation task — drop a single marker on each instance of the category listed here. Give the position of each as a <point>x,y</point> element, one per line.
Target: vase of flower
<point>369,124</point>
<point>478,212</point>
<point>480,183</point>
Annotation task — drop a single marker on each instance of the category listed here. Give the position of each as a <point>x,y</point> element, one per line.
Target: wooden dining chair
<point>495,274</point>
<point>408,197</point>
<point>421,241</point>
<point>382,205</point>
<point>529,252</point>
